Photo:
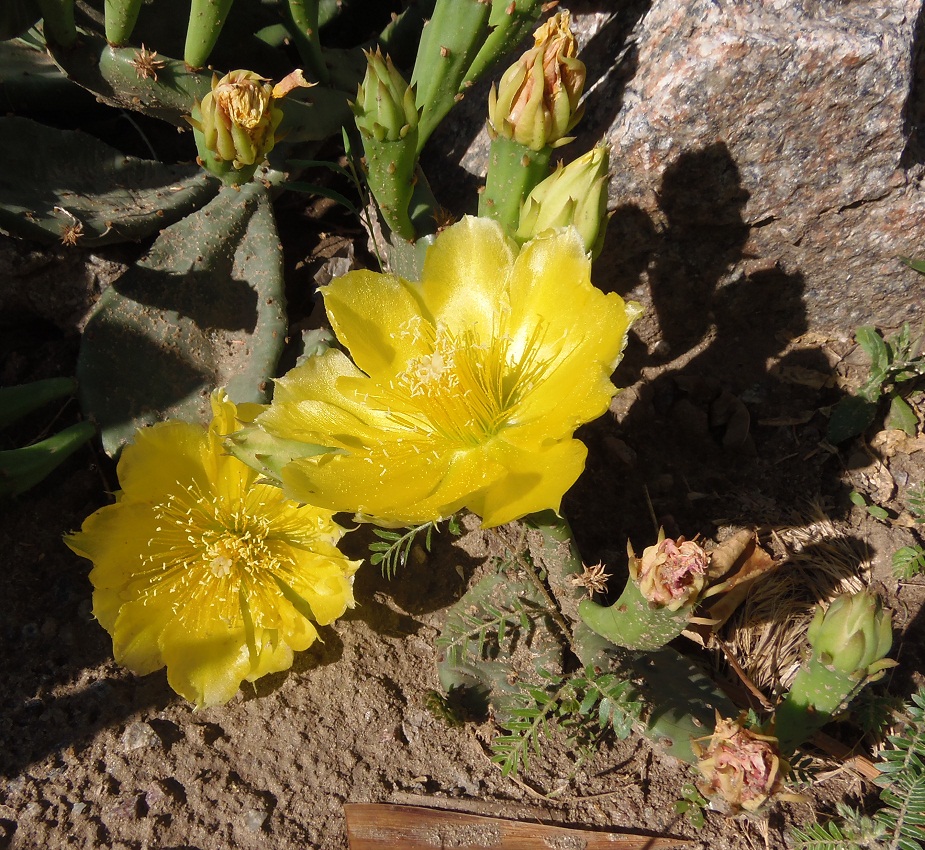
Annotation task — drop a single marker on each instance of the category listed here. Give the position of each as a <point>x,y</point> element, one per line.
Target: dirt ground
<point>724,431</point>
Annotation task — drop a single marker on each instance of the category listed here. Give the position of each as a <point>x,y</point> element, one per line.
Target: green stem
<point>562,560</point>
<point>207,17</point>
<point>58,21</point>
<point>513,171</point>
<point>304,15</point>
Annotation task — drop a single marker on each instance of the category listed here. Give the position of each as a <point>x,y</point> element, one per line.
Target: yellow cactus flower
<point>465,388</point>
<point>200,568</point>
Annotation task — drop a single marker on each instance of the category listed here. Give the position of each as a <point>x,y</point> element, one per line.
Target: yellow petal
<point>465,277</point>
<point>324,583</point>
<point>308,404</point>
<point>114,538</point>
<point>378,318</point>
<point>162,455</point>
<point>207,669</point>
<point>137,633</point>
<point>534,482</point>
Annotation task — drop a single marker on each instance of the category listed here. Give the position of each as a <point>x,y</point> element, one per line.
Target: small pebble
<point>138,735</point>
<point>254,819</point>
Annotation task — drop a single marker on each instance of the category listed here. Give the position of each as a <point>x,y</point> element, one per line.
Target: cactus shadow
<point>58,690</point>
<point>427,582</point>
<point>691,449</point>
<point>213,300</point>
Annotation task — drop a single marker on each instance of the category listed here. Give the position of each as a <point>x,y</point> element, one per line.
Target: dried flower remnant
<point>465,389</point>
<point>236,122</point>
<point>146,64</point>
<point>741,770</point>
<point>200,568</point>
<point>71,233</point>
<point>672,573</point>
<point>593,578</point>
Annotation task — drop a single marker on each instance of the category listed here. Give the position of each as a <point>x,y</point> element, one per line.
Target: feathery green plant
<point>896,367</point>
<point>393,548</point>
<point>899,824</point>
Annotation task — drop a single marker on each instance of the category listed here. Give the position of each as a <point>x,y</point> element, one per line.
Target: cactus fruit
<point>535,104</point>
<point>235,124</point>
<point>741,770</point>
<point>849,643</point>
<point>203,309</point>
<point>537,100</point>
<point>387,119</point>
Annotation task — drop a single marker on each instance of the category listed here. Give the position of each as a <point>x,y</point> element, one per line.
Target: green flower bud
<point>853,634</point>
<point>575,194</point>
<point>384,106</point>
<point>235,124</point>
<point>536,102</point>
<point>849,645</point>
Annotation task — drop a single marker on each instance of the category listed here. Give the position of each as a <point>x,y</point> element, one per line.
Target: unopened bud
<point>384,106</point>
<point>575,194</point>
<point>536,102</point>
<point>853,634</point>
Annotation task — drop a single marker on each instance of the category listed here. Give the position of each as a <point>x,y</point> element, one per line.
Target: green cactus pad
<point>633,622</point>
<point>117,76</point>
<point>204,309</point>
<point>81,191</point>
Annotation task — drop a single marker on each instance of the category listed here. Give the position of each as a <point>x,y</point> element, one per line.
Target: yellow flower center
<point>464,390</point>
<point>211,554</point>
<point>244,102</point>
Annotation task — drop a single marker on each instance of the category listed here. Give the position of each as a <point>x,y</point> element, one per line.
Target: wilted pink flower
<point>672,573</point>
<point>741,770</point>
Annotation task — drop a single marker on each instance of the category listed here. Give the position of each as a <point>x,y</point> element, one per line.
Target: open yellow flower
<point>465,389</point>
<point>200,568</point>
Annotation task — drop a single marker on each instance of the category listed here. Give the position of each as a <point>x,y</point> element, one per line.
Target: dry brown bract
<point>593,578</point>
<point>147,64</point>
<point>71,233</point>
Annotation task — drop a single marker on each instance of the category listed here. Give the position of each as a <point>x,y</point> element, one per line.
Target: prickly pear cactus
<point>205,308</point>
<point>489,649</point>
<point>80,191</point>
<point>496,639</point>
